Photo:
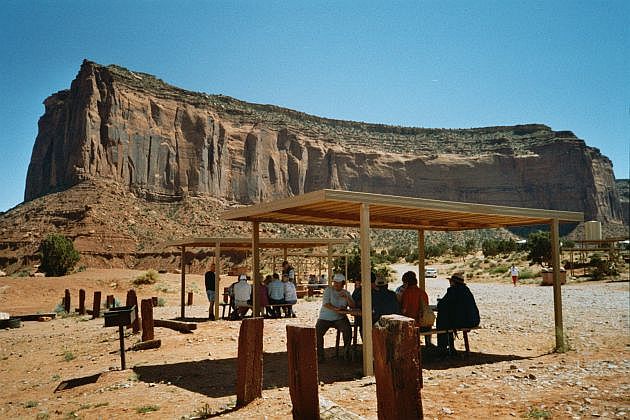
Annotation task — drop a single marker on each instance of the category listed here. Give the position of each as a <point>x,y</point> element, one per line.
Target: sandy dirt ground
<point>512,371</point>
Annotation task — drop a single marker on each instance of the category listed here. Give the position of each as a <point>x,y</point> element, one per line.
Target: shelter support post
<point>557,294</point>
<point>330,267</point>
<point>183,287</point>
<point>366,298</point>
<point>421,264</point>
<point>218,291</point>
<point>256,267</point>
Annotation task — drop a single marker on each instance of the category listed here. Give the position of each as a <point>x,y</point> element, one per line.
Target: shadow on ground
<point>217,378</point>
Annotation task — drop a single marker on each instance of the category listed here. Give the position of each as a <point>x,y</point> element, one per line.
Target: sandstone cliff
<point>165,143</point>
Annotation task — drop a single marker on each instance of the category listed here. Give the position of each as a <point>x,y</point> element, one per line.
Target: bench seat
<point>465,332</point>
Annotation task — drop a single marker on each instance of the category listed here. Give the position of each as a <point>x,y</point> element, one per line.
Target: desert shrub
<point>58,255</point>
<point>435,250</point>
<point>148,277</point>
<point>161,302</point>
<point>539,248</point>
<point>499,269</point>
<point>413,256</point>
<point>527,274</point>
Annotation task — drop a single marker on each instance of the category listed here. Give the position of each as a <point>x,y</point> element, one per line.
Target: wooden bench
<point>228,307</point>
<point>464,331</point>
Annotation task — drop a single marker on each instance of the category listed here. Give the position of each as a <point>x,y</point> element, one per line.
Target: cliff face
<point>164,143</point>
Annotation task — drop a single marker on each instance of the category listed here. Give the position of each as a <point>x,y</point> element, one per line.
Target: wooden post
<point>250,361</point>
<point>96,305</point>
<point>81,302</point>
<point>154,300</point>
<point>256,310</point>
<point>110,302</point>
<point>397,368</point>
<point>557,294</point>
<point>330,265</point>
<point>366,298</point>
<point>421,263</point>
<point>132,299</point>
<point>183,286</point>
<point>147,319</point>
<point>190,299</point>
<point>217,278</point>
<point>66,301</point>
<point>303,378</point>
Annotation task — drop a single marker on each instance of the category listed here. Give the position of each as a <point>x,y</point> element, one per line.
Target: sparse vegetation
<point>538,413</point>
<point>147,409</point>
<point>30,404</point>
<point>148,277</point>
<point>58,255</point>
<point>68,356</point>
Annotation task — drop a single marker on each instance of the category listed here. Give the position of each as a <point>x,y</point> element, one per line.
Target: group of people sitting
<point>273,291</point>
<point>457,309</point>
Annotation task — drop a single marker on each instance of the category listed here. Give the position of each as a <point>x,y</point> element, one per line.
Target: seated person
<point>457,309</point>
<point>335,300</point>
<point>312,279</point>
<point>290,296</point>
<point>276,294</point>
<point>384,301</point>
<point>412,300</point>
<point>323,283</point>
<point>242,296</point>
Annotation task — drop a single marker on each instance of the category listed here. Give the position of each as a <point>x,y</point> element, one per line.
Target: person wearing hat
<point>335,301</point>
<point>384,301</point>
<point>242,295</point>
<point>457,309</point>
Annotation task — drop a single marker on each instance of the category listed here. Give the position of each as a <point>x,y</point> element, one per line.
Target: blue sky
<point>451,64</point>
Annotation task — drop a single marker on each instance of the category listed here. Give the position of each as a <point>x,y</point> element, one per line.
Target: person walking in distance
<point>514,274</point>
<point>211,289</point>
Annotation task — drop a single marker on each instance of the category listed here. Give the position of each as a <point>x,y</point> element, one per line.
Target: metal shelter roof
<point>342,208</point>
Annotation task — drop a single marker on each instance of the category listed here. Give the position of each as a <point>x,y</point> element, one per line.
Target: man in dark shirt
<point>210,290</point>
<point>457,309</point>
<point>384,301</point>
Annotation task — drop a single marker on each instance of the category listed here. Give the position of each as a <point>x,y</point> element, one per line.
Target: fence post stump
<point>303,377</point>
<point>132,300</point>
<point>397,368</point>
<point>250,361</point>
<point>81,302</point>
<point>154,299</point>
<point>147,319</point>
<point>110,301</point>
<point>190,299</point>
<point>66,301</point>
<point>96,305</point>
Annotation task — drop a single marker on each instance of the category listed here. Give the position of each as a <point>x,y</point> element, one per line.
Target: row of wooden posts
<point>145,308</point>
<point>397,368</point>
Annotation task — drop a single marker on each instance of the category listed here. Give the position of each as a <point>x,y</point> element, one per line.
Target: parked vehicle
<point>430,272</point>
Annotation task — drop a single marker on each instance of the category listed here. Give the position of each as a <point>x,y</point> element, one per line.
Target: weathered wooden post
<point>132,300</point>
<point>147,319</point>
<point>154,299</point>
<point>397,368</point>
<point>303,377</point>
<point>110,302</point>
<point>250,362</point>
<point>81,302</point>
<point>96,305</point>
<point>190,299</point>
<point>66,301</point>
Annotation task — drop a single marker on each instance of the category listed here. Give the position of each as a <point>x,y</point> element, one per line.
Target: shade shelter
<point>219,244</point>
<point>366,211</point>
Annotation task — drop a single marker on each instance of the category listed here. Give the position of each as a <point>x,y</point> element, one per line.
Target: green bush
<point>58,255</point>
<point>527,274</point>
<point>539,247</point>
<point>499,269</point>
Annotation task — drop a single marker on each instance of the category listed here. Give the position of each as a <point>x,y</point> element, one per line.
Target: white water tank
<point>593,230</point>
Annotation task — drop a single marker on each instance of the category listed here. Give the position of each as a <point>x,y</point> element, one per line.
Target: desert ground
<point>512,371</point>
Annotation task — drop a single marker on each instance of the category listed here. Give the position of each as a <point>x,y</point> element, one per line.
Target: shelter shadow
<point>217,378</point>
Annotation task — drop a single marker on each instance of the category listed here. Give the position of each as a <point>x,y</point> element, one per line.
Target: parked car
<point>430,272</point>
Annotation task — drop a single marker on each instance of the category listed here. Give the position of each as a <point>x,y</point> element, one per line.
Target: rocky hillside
<point>165,143</point>
<point>124,162</point>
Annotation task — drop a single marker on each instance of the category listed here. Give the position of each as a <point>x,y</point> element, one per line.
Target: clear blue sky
<point>454,64</point>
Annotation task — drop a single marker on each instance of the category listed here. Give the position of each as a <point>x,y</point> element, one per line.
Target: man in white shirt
<point>242,295</point>
<point>514,274</point>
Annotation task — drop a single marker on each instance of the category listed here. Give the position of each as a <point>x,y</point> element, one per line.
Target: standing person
<point>289,271</point>
<point>336,299</point>
<point>514,273</point>
<point>276,294</point>
<point>457,309</point>
<point>290,296</point>
<point>211,290</point>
